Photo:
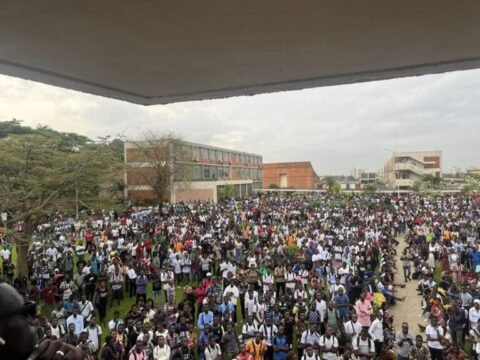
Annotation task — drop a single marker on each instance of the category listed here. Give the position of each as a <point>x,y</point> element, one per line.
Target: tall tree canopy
<point>39,175</point>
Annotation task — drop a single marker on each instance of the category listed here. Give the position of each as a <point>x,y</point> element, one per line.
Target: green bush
<point>292,250</point>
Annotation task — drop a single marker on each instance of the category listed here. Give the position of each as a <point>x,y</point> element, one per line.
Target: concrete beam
<point>155,52</point>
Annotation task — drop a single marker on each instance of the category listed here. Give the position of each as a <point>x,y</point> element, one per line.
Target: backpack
<point>369,342</point>
<point>135,354</point>
<point>323,337</point>
<point>337,316</point>
<point>304,357</point>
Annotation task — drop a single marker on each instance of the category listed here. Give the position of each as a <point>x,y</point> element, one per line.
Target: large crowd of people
<point>271,277</point>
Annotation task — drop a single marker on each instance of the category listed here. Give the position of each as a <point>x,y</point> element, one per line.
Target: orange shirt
<point>257,350</point>
<point>179,246</point>
<point>290,240</point>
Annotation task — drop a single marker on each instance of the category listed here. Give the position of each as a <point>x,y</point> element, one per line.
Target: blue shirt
<point>204,319</point>
<point>342,300</point>
<point>280,340</point>
<point>225,308</point>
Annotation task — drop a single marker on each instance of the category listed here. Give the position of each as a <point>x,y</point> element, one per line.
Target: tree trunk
<point>77,213</point>
<point>22,259</point>
<point>22,248</point>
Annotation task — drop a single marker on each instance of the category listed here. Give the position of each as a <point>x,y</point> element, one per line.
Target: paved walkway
<point>410,309</point>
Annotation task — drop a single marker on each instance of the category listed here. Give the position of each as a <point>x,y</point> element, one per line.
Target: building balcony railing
<point>404,182</point>
<point>409,167</point>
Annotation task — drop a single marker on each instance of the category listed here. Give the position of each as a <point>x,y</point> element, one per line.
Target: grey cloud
<point>337,128</point>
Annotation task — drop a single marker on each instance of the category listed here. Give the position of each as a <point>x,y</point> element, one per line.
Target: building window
<point>197,172</point>
<point>204,153</point>
<point>226,172</point>
<point>214,172</point>
<point>206,172</point>
<point>196,153</point>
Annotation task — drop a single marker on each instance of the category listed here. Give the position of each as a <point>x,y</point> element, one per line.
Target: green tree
<point>36,178</point>
<point>31,181</point>
<point>95,171</point>
<point>331,185</point>
<point>371,188</point>
<point>472,185</point>
<point>13,127</point>
<point>417,185</point>
<point>432,181</point>
<point>273,186</point>
<point>227,191</point>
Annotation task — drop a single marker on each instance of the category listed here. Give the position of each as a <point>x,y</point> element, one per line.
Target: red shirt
<point>246,356</point>
<point>148,244</point>
<point>139,250</point>
<point>89,236</point>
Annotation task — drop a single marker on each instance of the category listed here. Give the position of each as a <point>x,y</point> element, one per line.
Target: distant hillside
<point>65,141</point>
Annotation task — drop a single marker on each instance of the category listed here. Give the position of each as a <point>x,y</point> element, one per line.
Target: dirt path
<point>410,309</point>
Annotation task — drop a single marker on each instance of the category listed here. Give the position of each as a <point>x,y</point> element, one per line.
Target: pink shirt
<point>364,310</point>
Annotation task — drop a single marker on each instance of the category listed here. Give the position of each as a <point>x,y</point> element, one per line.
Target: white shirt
<point>434,343</point>
<point>166,277</point>
<point>313,357</point>
<point>212,353</point>
<point>249,329</point>
<point>93,334</point>
<point>225,268</point>
<point>321,307</point>
<point>329,344</point>
<point>250,305</point>
<point>234,293</point>
<point>5,253</point>
<point>161,353</point>
<point>363,347</point>
<point>309,338</point>
<point>77,321</point>
<point>376,330</point>
<point>290,280</point>
<point>59,331</point>
<point>112,325</point>
<point>353,329</point>
<point>52,253</point>
<point>473,317</point>
<point>268,332</point>
<point>267,279</point>
<point>131,274</point>
<point>86,309</point>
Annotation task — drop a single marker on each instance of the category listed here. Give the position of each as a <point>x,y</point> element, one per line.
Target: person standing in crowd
<point>419,351</point>
<point>376,332</point>
<point>435,336</point>
<point>257,347</point>
<point>161,350</point>
<point>404,342</point>
<point>364,310</point>
<point>229,342</point>
<point>77,320</point>
<point>141,283</point>
<point>116,281</point>
<point>300,268</point>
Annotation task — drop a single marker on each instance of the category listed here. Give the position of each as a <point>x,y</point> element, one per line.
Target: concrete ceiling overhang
<point>154,52</point>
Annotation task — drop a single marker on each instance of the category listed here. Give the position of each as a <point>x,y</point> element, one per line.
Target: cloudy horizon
<point>337,128</point>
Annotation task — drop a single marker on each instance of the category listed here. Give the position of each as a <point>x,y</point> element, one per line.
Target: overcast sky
<point>336,128</point>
